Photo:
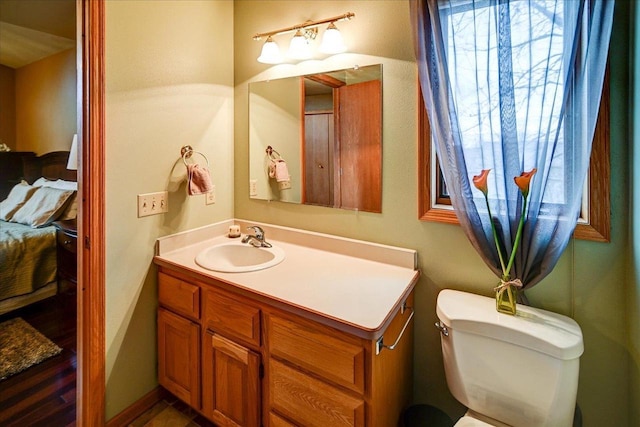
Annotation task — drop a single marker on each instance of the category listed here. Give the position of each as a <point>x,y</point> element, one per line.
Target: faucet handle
<point>259,231</point>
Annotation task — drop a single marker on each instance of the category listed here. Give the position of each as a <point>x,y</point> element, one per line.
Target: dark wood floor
<point>45,394</point>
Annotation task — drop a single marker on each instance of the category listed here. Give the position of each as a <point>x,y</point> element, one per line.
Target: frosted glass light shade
<point>332,41</point>
<point>299,47</point>
<point>270,53</point>
<point>72,163</point>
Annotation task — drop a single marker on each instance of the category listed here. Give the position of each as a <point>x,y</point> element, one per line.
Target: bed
<point>47,190</point>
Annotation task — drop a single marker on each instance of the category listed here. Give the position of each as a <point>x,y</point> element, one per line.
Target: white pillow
<point>60,184</point>
<point>64,185</point>
<point>44,207</point>
<point>71,211</point>
<point>41,182</point>
<point>18,196</point>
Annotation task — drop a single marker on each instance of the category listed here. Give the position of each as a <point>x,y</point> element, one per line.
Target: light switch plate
<point>210,197</point>
<point>253,187</point>
<point>153,203</point>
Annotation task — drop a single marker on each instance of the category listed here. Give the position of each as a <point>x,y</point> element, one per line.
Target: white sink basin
<point>237,257</point>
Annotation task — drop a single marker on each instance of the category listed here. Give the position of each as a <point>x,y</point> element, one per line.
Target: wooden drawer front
<point>277,421</point>
<point>179,296</point>
<point>179,356</point>
<point>310,402</point>
<point>66,241</point>
<point>314,349</point>
<point>232,317</point>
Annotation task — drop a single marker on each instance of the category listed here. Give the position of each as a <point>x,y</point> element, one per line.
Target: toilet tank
<point>521,370</point>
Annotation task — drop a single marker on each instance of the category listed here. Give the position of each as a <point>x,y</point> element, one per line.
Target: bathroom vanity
<point>302,343</point>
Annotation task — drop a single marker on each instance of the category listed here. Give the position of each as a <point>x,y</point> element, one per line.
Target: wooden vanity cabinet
<point>262,365</point>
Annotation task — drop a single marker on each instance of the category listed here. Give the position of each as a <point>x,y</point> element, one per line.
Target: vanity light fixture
<point>300,45</point>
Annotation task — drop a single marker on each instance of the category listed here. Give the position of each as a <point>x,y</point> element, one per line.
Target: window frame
<point>598,225</point>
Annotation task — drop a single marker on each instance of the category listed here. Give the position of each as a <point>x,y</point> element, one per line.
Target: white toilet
<point>508,370</point>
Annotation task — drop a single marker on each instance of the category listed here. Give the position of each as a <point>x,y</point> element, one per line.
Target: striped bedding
<point>27,258</point>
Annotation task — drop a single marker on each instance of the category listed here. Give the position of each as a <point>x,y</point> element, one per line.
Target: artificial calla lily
<point>480,181</point>
<point>524,180</point>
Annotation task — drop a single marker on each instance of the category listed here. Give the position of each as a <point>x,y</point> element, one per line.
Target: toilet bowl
<point>508,370</point>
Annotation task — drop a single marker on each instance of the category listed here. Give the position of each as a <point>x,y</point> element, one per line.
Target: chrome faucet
<point>256,240</point>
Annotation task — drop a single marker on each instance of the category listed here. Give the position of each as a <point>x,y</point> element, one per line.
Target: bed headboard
<point>51,166</point>
<point>17,165</point>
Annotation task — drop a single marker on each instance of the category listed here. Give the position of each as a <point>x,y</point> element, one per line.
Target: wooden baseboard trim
<point>129,415</point>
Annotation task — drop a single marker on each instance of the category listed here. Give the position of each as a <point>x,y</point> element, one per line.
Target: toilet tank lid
<point>544,331</point>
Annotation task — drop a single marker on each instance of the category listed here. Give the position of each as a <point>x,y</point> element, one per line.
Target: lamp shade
<point>72,163</point>
<point>299,47</point>
<point>270,53</point>
<point>332,41</point>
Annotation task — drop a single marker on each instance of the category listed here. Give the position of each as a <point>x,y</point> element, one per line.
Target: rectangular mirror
<point>317,139</point>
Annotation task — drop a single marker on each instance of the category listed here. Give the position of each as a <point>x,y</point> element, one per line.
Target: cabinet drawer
<point>277,421</point>
<point>311,402</point>
<point>232,317</point>
<point>317,350</point>
<point>179,296</point>
<point>66,241</point>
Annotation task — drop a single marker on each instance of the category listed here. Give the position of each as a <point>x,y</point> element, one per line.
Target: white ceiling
<point>31,30</point>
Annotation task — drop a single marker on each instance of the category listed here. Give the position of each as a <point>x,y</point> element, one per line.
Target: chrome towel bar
<point>380,343</point>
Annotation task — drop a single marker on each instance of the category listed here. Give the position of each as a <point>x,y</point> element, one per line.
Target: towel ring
<point>270,152</point>
<point>187,151</point>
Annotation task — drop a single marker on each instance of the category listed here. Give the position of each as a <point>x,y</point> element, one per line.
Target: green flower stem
<point>495,236</point>
<point>516,243</point>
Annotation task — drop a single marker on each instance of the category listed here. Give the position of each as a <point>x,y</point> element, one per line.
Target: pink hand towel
<point>199,179</point>
<point>282,172</point>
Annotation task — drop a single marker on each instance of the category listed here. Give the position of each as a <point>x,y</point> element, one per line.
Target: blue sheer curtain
<point>512,85</point>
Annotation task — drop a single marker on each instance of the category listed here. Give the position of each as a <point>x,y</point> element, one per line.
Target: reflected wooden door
<point>318,158</point>
<point>359,132</point>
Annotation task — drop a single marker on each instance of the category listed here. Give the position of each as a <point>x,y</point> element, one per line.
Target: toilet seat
<point>473,419</point>
<point>467,421</point>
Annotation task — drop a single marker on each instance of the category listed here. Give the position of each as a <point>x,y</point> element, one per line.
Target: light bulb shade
<point>332,41</point>
<point>299,47</point>
<point>72,163</point>
<point>270,53</point>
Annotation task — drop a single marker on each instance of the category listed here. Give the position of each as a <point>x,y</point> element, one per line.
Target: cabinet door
<point>231,378</point>
<point>179,356</point>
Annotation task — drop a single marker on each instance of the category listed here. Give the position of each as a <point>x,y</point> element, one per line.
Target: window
<point>434,201</point>
<point>434,204</point>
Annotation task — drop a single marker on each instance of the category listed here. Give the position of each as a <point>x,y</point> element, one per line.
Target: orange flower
<point>480,181</point>
<point>524,180</point>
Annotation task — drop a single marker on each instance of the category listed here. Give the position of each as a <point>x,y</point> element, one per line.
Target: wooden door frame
<point>90,401</point>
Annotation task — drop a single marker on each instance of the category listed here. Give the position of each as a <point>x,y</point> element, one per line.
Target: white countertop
<point>353,282</point>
